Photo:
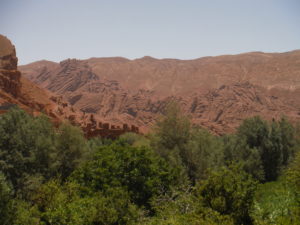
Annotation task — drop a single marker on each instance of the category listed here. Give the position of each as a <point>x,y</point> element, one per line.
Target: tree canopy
<point>179,174</point>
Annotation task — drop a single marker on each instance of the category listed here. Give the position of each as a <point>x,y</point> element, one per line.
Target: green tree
<point>6,196</point>
<point>183,206</point>
<point>293,177</point>
<point>32,150</point>
<point>202,152</point>
<point>136,169</point>
<point>289,140</point>
<point>229,191</point>
<point>236,150</point>
<point>256,132</point>
<point>276,143</point>
<point>64,204</point>
<point>71,147</point>
<point>172,133</point>
<point>27,149</point>
<point>174,128</point>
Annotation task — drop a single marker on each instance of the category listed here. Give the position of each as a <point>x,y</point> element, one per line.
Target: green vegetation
<point>275,203</point>
<point>179,174</point>
<point>229,191</point>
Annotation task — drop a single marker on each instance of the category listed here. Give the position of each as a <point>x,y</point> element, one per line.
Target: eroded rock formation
<point>217,92</point>
<point>15,90</point>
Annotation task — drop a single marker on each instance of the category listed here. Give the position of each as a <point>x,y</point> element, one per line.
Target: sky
<point>59,29</point>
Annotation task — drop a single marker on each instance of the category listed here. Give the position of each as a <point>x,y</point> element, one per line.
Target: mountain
<point>16,90</point>
<point>217,92</point>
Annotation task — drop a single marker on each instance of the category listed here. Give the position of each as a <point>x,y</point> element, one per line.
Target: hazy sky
<point>186,29</point>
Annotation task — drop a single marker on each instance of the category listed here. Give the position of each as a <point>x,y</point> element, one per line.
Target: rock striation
<point>223,109</point>
<point>216,92</point>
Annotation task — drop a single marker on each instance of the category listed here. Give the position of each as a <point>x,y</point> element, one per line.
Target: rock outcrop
<point>9,75</point>
<point>8,59</point>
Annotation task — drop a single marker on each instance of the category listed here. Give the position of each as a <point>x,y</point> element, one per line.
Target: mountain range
<point>109,96</point>
<point>216,92</point>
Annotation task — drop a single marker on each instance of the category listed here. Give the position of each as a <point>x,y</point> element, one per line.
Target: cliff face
<point>9,75</point>
<point>17,90</point>
<point>8,59</point>
<point>217,92</point>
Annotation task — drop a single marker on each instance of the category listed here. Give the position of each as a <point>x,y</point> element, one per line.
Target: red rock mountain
<point>17,90</point>
<point>217,92</point>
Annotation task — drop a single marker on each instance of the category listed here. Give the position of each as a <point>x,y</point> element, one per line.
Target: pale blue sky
<point>186,29</point>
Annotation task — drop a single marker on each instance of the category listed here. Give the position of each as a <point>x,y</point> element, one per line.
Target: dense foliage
<point>179,174</point>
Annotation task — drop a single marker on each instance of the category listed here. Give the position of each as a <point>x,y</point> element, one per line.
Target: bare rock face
<point>14,89</point>
<point>8,59</point>
<point>9,76</point>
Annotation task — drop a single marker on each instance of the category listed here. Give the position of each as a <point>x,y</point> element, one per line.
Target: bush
<point>182,206</point>
<point>134,139</point>
<point>275,203</point>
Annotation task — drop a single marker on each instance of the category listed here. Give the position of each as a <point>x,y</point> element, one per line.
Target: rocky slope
<point>17,90</point>
<point>224,108</point>
<point>217,92</point>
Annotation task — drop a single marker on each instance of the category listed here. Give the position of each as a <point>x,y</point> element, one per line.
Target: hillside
<point>136,91</point>
<point>17,90</point>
